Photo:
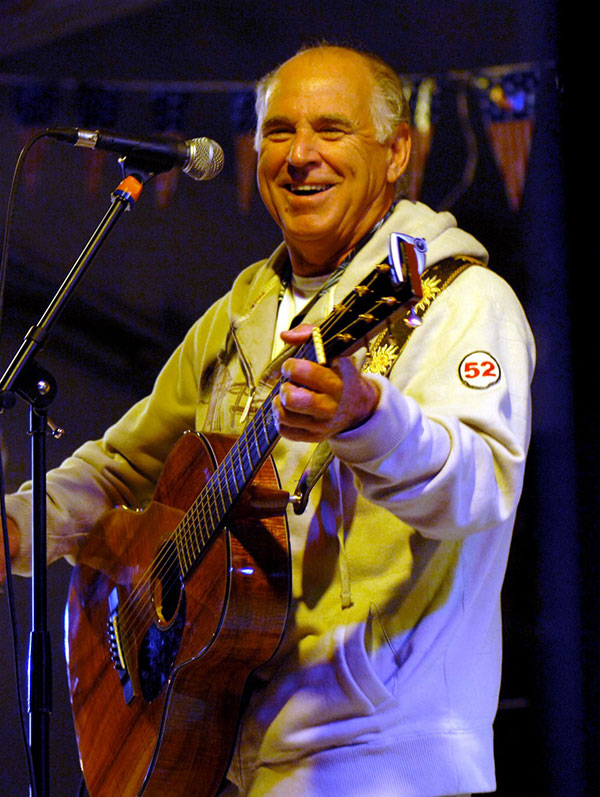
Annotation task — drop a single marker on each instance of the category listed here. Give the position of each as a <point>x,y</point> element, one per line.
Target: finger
<point>297,335</point>
<point>302,435</point>
<point>296,426</point>
<point>314,377</point>
<point>300,401</point>
<point>345,368</point>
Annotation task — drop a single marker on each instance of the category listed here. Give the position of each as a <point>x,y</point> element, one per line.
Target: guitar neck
<point>231,477</point>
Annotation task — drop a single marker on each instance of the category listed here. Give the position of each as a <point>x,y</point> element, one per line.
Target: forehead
<point>327,81</point>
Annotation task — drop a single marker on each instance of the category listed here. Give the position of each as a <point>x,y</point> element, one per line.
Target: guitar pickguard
<point>158,652</point>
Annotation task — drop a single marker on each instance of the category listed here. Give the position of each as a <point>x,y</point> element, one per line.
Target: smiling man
<point>325,172</point>
<point>386,680</point>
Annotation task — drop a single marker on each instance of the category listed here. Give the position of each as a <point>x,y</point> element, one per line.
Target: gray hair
<point>389,106</point>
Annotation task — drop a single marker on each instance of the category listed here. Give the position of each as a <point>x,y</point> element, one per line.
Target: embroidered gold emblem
<point>431,287</point>
<point>381,355</point>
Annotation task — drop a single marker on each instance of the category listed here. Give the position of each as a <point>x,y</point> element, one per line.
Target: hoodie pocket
<point>369,664</point>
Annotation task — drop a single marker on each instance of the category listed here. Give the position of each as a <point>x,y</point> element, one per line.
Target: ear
<point>399,153</point>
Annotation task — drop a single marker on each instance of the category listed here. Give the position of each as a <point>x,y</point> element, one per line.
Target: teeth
<point>308,189</point>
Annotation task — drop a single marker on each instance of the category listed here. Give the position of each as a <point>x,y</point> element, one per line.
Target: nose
<point>303,149</point>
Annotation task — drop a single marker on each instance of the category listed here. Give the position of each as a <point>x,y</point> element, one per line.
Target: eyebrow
<point>273,122</point>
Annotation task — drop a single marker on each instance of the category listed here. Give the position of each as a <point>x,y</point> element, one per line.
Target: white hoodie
<point>386,682</point>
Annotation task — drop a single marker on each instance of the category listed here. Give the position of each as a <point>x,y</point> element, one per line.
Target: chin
<point>309,229</point>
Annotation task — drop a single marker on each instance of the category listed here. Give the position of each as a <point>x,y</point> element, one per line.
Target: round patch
<point>479,370</point>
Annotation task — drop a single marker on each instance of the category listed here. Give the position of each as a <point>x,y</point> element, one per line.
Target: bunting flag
<point>506,101</point>
<point>96,107</point>
<point>169,112</point>
<point>244,122</point>
<point>34,105</point>
<point>507,104</point>
<point>422,98</point>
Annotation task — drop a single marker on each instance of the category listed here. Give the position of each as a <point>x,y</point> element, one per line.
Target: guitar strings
<point>205,506</point>
<point>164,565</point>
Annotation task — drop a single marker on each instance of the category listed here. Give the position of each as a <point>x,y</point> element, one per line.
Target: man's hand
<point>13,537</point>
<point>319,402</point>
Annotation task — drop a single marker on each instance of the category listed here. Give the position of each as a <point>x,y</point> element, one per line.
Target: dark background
<point>161,268</point>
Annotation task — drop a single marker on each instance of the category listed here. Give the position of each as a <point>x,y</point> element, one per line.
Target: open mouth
<point>306,190</point>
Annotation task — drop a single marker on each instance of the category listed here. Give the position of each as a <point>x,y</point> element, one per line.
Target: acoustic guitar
<point>172,608</point>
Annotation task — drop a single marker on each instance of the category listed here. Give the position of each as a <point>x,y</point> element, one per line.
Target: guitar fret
<point>229,473</point>
<point>185,549</point>
<point>265,431</point>
<point>243,445</point>
<point>190,543</point>
<point>271,427</point>
<point>180,548</point>
<point>239,467</point>
<point>201,526</point>
<point>196,536</point>
<point>210,507</point>
<point>224,494</point>
<point>227,487</point>
<point>255,444</point>
<point>254,449</point>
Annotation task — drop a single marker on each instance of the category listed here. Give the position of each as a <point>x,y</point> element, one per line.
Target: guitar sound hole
<point>167,588</point>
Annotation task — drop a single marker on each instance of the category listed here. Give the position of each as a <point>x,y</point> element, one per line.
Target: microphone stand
<point>24,377</point>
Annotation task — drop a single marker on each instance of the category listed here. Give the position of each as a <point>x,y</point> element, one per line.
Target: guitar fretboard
<point>233,474</point>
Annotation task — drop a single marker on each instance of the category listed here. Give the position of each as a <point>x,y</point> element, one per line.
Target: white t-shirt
<point>297,294</point>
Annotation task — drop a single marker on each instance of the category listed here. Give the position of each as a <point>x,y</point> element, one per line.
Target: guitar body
<point>157,663</point>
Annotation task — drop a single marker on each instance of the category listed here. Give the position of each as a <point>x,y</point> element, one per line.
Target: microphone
<point>201,158</point>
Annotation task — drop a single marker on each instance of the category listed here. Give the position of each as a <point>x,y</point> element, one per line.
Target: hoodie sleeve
<point>445,450</point>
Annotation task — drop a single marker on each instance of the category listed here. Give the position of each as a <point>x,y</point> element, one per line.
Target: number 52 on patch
<point>479,370</point>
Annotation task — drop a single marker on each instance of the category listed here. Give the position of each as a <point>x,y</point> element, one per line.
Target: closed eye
<point>277,128</point>
<point>334,125</point>
<point>331,133</point>
<point>278,134</point>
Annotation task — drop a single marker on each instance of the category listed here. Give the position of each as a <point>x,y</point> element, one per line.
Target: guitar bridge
<point>115,647</point>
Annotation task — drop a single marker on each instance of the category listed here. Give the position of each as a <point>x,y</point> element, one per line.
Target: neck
<point>313,259</point>
<point>308,263</point>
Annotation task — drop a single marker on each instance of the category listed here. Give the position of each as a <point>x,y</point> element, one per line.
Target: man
<point>386,681</point>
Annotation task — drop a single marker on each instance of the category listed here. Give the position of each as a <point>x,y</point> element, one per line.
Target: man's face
<point>322,174</point>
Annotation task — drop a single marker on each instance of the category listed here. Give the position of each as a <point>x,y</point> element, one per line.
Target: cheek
<point>265,189</point>
<point>263,176</point>
<point>362,164</point>
<point>268,167</point>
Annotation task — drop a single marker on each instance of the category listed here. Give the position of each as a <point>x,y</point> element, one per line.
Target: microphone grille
<point>206,159</point>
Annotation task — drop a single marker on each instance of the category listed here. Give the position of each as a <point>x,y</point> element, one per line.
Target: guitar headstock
<point>392,288</point>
